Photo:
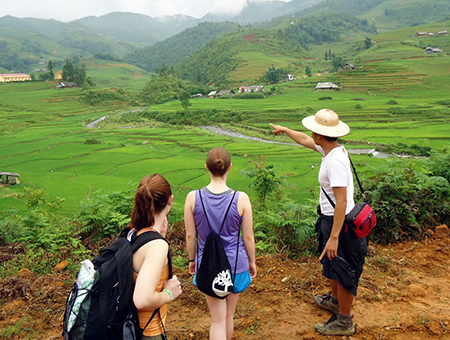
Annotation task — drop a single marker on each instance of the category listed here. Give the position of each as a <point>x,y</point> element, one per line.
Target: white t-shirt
<point>335,172</point>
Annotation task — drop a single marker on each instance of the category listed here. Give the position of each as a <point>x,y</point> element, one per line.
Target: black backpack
<point>214,272</point>
<point>107,310</point>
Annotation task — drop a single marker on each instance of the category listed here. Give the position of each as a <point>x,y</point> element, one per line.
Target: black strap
<point>329,198</point>
<point>223,222</point>
<point>356,175</point>
<point>137,241</point>
<point>357,179</point>
<point>226,213</point>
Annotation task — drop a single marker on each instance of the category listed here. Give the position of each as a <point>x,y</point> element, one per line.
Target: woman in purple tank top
<point>216,199</point>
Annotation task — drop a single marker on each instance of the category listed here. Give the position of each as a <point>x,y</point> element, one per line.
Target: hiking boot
<point>336,325</point>
<point>326,302</point>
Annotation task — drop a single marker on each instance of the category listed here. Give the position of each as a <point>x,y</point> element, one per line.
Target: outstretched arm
<point>299,137</point>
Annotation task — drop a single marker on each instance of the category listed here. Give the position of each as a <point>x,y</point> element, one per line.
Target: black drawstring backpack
<point>214,272</point>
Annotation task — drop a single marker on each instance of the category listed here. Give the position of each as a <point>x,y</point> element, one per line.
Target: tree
<point>76,73</point>
<point>50,69</point>
<point>368,42</point>
<point>184,99</point>
<point>266,180</point>
<point>308,71</point>
<point>273,75</point>
<point>68,71</point>
<point>326,55</point>
<point>337,63</point>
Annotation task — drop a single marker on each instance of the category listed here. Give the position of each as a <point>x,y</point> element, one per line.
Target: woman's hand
<point>174,286</point>
<point>192,268</point>
<point>252,269</point>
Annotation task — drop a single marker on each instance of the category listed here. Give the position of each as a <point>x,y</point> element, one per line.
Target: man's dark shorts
<point>347,268</point>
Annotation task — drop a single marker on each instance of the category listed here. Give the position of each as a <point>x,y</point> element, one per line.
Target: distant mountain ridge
<point>150,42</point>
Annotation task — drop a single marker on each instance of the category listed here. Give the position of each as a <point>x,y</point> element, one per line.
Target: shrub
<point>103,216</point>
<point>392,102</point>
<point>358,107</point>
<point>325,98</point>
<point>287,227</point>
<point>91,141</point>
<point>249,95</point>
<point>407,203</point>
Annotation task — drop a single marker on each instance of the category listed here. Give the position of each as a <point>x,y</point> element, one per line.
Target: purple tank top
<point>216,206</point>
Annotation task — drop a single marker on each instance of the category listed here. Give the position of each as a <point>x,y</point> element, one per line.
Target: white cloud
<point>67,10</point>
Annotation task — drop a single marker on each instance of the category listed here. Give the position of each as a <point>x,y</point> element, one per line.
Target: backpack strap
<point>356,175</point>
<point>357,179</point>
<point>223,222</point>
<point>226,213</point>
<point>329,198</point>
<point>137,241</point>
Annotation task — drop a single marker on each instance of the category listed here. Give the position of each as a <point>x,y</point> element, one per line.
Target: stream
<point>234,134</point>
<point>231,133</point>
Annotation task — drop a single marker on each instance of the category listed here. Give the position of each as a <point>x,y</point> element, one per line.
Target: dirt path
<point>403,295</point>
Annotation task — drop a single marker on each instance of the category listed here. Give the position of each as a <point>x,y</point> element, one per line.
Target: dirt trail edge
<point>403,295</point>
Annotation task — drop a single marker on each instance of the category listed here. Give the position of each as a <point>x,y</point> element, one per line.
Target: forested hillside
<point>137,28</point>
<point>386,14</point>
<point>262,11</point>
<point>250,52</point>
<point>173,50</point>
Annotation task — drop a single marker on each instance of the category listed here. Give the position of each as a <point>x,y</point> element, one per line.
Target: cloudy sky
<point>67,10</point>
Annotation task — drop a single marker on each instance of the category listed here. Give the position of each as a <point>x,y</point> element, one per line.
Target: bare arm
<point>191,229</point>
<point>330,250</point>
<point>153,256</point>
<point>299,137</point>
<point>245,209</point>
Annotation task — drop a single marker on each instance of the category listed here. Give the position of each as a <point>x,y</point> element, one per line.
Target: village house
<point>226,93</point>
<point>289,77</point>
<point>253,88</point>
<point>212,94</point>
<point>10,178</point>
<point>431,50</point>
<point>10,77</point>
<point>349,66</point>
<point>326,86</point>
<point>66,85</point>
<point>421,34</point>
<point>442,32</point>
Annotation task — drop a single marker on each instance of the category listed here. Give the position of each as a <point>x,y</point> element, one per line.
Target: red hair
<point>152,196</point>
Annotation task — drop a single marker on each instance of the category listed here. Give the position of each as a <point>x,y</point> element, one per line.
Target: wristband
<point>192,260</point>
<point>168,292</point>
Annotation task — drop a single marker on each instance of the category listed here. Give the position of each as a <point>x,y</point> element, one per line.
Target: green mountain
<point>263,11</point>
<point>173,50</point>
<point>386,14</point>
<point>245,55</point>
<point>136,28</point>
<point>23,51</point>
<point>23,42</point>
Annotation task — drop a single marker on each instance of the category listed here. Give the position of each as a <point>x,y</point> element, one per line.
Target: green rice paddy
<point>388,98</point>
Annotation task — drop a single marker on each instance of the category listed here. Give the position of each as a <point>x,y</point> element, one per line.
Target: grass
<point>43,134</point>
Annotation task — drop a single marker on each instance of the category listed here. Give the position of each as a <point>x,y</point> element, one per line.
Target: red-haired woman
<point>154,289</point>
<point>216,197</point>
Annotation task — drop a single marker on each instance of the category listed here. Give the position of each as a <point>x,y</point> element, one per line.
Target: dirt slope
<point>404,295</point>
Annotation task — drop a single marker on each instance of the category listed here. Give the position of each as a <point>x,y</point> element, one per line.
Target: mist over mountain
<point>146,41</point>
